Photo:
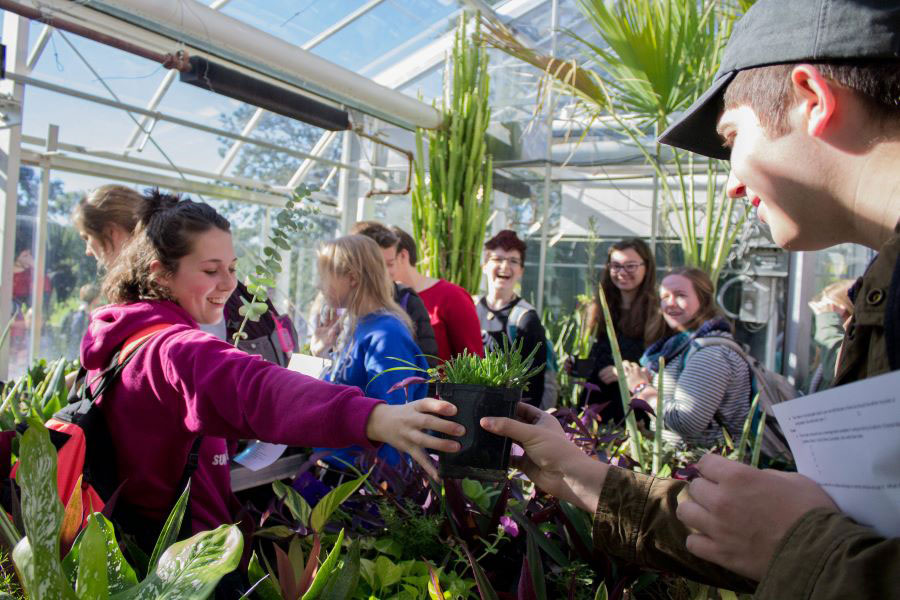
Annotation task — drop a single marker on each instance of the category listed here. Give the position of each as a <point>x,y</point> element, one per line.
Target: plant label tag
<point>306,364</point>
<point>847,439</point>
<point>259,455</point>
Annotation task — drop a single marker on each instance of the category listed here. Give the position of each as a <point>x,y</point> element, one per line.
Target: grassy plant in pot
<point>483,387</point>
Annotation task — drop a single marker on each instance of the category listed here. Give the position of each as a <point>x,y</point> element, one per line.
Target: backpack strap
<point>514,320</point>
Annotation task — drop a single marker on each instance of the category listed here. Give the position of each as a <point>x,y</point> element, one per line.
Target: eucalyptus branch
<point>291,220</point>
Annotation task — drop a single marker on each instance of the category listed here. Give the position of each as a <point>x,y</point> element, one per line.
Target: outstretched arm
<point>551,461</point>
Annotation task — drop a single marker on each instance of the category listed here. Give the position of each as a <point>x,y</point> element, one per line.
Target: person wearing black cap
<point>806,106</point>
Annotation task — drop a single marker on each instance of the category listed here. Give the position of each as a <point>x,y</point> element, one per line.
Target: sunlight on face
<point>678,301</point>
<point>503,269</point>
<point>205,278</point>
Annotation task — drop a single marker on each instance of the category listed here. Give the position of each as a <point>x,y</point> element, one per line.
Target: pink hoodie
<point>184,382</point>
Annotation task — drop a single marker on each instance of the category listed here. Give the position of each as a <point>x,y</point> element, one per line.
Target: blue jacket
<point>379,339</point>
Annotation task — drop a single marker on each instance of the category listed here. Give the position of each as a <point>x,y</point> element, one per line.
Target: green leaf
<point>346,579</point>
<point>386,572</point>
<point>389,546</point>
<point>485,589</point>
<point>37,555</point>
<point>170,530</point>
<point>325,570</point>
<point>119,573</point>
<point>277,532</point>
<point>11,535</point>
<point>546,545</point>
<point>327,505</point>
<point>191,569</point>
<point>294,501</point>
<point>265,588</point>
<point>281,243</point>
<point>601,594</point>
<point>92,583</point>
<point>535,568</point>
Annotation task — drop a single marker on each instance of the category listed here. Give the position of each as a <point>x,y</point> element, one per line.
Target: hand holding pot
<point>551,461</point>
<point>402,426</point>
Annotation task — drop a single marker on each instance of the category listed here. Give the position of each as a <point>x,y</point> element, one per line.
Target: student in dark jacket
<point>404,295</point>
<point>502,311</point>
<point>629,284</point>
<point>805,107</point>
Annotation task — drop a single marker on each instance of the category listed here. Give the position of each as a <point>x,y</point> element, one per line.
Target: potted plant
<point>479,387</point>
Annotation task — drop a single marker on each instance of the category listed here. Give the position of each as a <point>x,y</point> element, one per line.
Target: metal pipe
<point>40,252</point>
<point>171,119</point>
<point>167,60</point>
<point>224,36</point>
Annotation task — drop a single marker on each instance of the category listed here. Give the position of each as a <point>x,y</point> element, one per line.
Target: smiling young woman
<point>184,383</point>
<point>706,388</point>
<point>629,283</point>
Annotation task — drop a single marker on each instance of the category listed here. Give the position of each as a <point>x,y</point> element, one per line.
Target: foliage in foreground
<point>93,565</point>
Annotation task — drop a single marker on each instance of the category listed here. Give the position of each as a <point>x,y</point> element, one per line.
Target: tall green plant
<point>656,58</point>
<point>451,203</point>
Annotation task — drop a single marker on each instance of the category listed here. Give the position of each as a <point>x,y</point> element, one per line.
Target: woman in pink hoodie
<point>177,271</point>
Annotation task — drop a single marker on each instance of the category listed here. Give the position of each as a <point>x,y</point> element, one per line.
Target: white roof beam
<point>145,123</point>
<point>430,56</point>
<point>307,165</point>
<point>39,45</point>
<point>309,45</point>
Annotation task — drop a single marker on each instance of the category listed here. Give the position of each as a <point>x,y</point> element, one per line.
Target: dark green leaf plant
<point>95,567</point>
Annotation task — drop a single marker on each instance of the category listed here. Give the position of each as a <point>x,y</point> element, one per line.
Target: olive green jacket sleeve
<point>635,521</point>
<point>827,556</point>
<point>824,555</point>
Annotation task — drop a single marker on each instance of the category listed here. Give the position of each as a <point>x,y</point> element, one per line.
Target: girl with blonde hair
<point>371,333</point>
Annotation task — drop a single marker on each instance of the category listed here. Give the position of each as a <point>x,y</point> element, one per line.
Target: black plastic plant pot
<point>483,455</point>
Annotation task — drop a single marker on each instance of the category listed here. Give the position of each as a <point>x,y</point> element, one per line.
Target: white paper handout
<point>847,439</point>
<point>309,365</point>
<point>259,455</point>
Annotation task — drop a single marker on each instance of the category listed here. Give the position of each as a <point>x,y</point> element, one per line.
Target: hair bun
<point>156,202</point>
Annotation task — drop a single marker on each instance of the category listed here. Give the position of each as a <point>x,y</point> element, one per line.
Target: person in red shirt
<point>450,306</point>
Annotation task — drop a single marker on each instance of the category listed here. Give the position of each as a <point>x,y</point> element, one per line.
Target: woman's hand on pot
<point>551,460</point>
<point>634,374</point>
<point>403,427</point>
<point>608,374</point>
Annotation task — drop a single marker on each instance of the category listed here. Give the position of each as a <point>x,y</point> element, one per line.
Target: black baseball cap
<point>788,31</point>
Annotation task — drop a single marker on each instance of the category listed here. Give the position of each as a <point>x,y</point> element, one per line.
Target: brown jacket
<point>825,555</point>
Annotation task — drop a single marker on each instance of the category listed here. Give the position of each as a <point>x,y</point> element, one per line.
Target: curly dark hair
<point>166,229</point>
<point>507,240</point>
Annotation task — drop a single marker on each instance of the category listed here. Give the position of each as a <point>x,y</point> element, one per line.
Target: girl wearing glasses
<point>503,313</point>
<point>629,283</point>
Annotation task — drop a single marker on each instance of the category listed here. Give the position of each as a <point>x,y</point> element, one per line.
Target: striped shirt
<point>704,389</point>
